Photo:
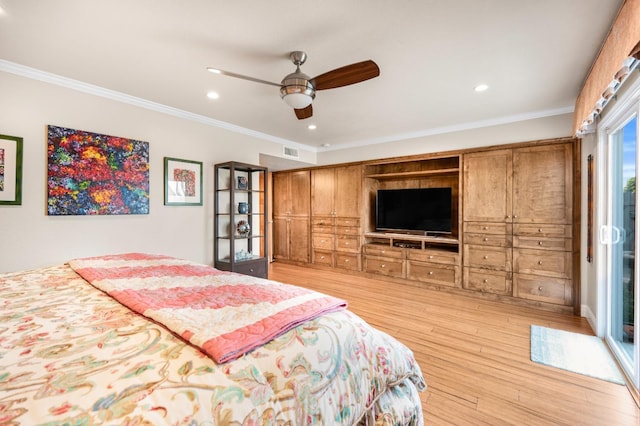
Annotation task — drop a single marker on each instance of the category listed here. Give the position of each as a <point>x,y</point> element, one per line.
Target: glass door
<point>622,260</point>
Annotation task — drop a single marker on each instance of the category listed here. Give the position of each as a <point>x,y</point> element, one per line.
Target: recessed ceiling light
<point>325,145</point>
<point>213,95</point>
<point>213,70</point>
<point>312,127</point>
<point>481,88</point>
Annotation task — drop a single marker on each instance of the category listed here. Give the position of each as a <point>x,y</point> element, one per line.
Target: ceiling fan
<point>298,90</point>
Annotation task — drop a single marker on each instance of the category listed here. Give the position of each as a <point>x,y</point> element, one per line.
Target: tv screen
<point>421,210</point>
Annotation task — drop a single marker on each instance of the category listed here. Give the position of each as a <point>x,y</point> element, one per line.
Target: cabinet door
<point>487,186</point>
<point>281,194</point>
<point>300,193</point>
<point>322,182</point>
<point>348,191</point>
<point>542,183</point>
<point>280,238</point>
<point>299,239</point>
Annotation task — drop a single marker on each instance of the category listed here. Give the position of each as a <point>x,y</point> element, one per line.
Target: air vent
<point>290,152</point>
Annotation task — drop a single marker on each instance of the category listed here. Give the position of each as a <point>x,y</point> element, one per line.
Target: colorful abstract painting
<point>187,179</point>
<point>94,174</point>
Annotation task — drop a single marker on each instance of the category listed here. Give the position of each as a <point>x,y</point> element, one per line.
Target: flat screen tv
<point>420,210</point>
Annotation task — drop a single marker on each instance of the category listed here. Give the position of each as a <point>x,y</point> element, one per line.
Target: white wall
<point>520,131</point>
<point>29,238</point>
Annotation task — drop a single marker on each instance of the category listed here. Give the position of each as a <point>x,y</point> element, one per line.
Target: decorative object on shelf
<point>10,170</point>
<point>242,182</point>
<point>182,182</point>
<point>94,174</point>
<point>243,255</point>
<point>243,207</point>
<point>243,228</point>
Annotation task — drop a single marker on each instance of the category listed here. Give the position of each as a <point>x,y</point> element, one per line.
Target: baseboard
<point>586,312</point>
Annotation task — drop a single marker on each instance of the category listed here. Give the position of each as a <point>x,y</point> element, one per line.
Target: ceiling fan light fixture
<point>297,91</point>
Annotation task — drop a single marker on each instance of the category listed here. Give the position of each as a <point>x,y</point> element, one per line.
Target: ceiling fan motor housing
<point>297,90</point>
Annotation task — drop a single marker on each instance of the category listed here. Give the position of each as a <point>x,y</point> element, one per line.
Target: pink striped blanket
<point>224,314</point>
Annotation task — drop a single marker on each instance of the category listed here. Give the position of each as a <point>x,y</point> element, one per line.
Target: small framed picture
<point>243,183</point>
<point>10,170</point>
<point>182,182</point>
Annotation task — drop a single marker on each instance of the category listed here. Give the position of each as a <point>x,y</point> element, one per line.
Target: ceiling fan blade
<point>244,77</point>
<point>344,76</point>
<point>304,112</point>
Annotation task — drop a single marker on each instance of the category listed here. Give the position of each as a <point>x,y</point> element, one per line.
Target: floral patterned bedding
<point>70,354</point>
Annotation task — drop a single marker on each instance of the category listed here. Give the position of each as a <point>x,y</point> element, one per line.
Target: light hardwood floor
<point>474,354</point>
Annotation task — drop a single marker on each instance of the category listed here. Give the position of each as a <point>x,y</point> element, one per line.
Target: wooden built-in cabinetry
<point>515,226</point>
<point>335,216</point>
<point>291,212</point>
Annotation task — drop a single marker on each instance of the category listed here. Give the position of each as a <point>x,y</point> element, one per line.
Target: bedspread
<point>70,354</point>
<point>224,314</point>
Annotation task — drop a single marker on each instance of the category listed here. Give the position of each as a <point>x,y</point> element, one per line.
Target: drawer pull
<point>539,243</point>
<point>430,257</point>
<point>346,260</point>
<point>539,262</point>
<point>430,272</point>
<point>486,228</point>
<point>540,288</point>
<point>346,243</point>
<point>383,265</point>
<point>251,270</point>
<point>539,230</point>
<point>485,281</point>
<point>485,239</point>
<point>485,257</point>
<point>321,257</point>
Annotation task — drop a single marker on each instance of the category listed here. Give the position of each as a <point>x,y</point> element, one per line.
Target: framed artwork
<point>182,182</point>
<point>93,174</point>
<point>10,170</point>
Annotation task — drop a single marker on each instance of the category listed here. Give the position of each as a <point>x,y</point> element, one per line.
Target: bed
<point>88,342</point>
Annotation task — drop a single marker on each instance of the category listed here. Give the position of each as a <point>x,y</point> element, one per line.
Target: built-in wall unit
<point>497,222</point>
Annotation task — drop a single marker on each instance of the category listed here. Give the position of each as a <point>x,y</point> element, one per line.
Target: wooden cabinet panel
<point>433,273</point>
<point>388,266</point>
<point>299,239</point>
<point>434,256</point>
<point>323,241</point>
<point>321,257</point>
<point>543,185</point>
<point>540,262</point>
<point>563,244</point>
<point>349,244</point>
<point>487,186</point>
<point>322,190</point>
<point>348,191</point>
<point>383,251</point>
<point>300,194</point>
<point>281,244</point>
<point>494,240</point>
<point>543,289</point>
<point>487,257</point>
<point>348,261</point>
<point>497,282</point>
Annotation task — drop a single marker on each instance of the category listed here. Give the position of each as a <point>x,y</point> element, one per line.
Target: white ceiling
<point>534,55</point>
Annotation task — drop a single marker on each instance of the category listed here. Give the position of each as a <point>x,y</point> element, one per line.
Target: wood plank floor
<point>475,354</point>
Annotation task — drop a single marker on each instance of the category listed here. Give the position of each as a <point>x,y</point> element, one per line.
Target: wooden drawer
<point>496,240</point>
<point>344,230</point>
<point>348,244</point>
<point>390,267</point>
<point>383,250</point>
<point>542,230</point>
<point>433,273</point>
<point>498,282</point>
<point>348,221</point>
<point>543,289</point>
<point>487,257</point>
<point>434,256</point>
<point>487,227</point>
<point>323,241</point>
<point>348,261</point>
<point>322,229</point>
<point>541,243</point>
<point>542,262</point>
<point>323,257</point>
<point>322,221</point>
